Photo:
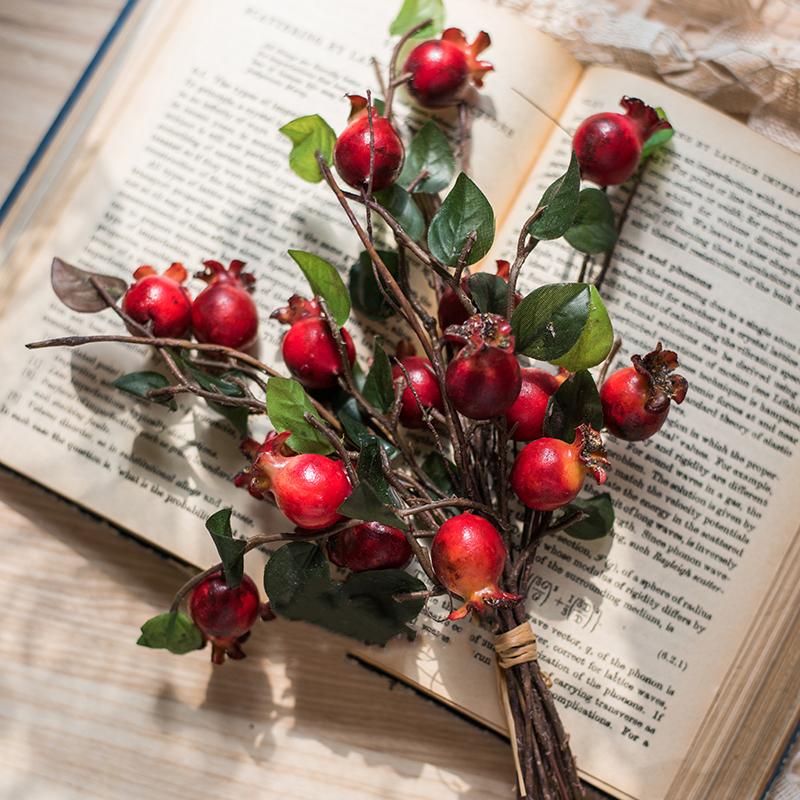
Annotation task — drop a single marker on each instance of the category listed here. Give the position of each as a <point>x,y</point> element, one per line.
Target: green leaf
<point>172,631</point>
<point>489,293</point>
<point>308,135</point>
<point>595,341</point>
<point>287,403</point>
<point>413,12</point>
<point>236,415</point>
<point>464,210</point>
<point>325,282</point>
<point>370,470</point>
<point>658,139</point>
<point>599,522</point>
<point>359,434</point>
<point>365,503</point>
<point>550,320</point>
<point>140,383</point>
<point>576,401</point>
<point>299,586</point>
<point>378,386</point>
<point>436,468</point>
<point>559,204</point>
<point>371,499</point>
<point>365,294</point>
<point>400,204</point>
<point>593,230</point>
<point>231,551</point>
<point>430,151</point>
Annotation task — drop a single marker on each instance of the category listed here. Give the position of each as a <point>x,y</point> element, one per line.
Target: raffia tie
<point>514,647</point>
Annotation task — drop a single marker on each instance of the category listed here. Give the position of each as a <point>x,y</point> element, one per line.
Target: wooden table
<point>84,712</point>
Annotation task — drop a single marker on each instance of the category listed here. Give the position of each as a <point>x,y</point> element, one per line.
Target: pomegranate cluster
<point>223,313</point>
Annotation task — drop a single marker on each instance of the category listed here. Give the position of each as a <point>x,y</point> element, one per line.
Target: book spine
<point>65,109</point>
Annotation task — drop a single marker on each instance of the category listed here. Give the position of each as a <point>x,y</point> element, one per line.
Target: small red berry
<point>441,69</point>
<point>452,311</point>
<point>307,488</point>
<point>526,416</point>
<point>484,378</point>
<point>608,146</point>
<point>224,615</point>
<point>549,473</point>
<point>468,557</point>
<point>160,300</point>
<point>224,312</point>
<point>636,400</point>
<point>309,349</point>
<point>370,545</point>
<point>423,393</point>
<point>351,154</point>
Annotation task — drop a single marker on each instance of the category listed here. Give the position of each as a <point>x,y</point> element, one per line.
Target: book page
<point>184,163</point>
<point>639,630</point>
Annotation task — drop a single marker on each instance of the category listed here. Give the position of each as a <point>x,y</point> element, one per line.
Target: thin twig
<point>258,541</point>
<point>316,423</point>
<point>609,256</point>
<point>392,84</point>
<point>612,354</point>
<point>525,246</point>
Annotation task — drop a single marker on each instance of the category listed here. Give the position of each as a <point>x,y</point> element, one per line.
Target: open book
<point>673,643</point>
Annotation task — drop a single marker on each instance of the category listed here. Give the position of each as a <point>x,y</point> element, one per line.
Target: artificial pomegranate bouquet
<point>460,451</point>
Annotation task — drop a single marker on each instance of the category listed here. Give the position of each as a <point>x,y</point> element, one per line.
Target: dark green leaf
<point>550,320</point>
<point>294,570</point>
<point>370,500</point>
<point>359,434</point>
<point>489,293</point>
<point>231,551</point>
<point>559,204</point>
<point>298,583</point>
<point>140,383</point>
<point>576,401</point>
<point>325,282</point>
<point>365,503</point>
<point>365,294</point>
<point>599,522</point>
<point>429,151</point>
<point>378,386</point>
<point>370,470</point>
<point>464,210</point>
<point>400,204</point>
<point>436,468</point>
<point>371,612</point>
<point>308,135</point>
<point>595,341</point>
<point>236,415</point>
<point>658,139</point>
<point>287,403</point>
<point>413,12</point>
<point>593,230</point>
<point>171,631</point>
<point>73,287</point>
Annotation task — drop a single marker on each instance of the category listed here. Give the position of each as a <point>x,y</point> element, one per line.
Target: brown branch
<point>609,256</point>
<point>451,502</point>
<point>525,246</point>
<point>316,423</point>
<point>393,64</point>
<point>183,344</point>
<point>258,541</point>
